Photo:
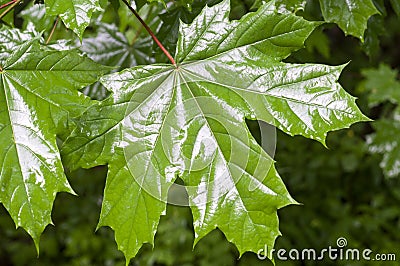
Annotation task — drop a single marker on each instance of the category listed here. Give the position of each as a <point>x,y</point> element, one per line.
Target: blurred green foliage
<point>342,189</point>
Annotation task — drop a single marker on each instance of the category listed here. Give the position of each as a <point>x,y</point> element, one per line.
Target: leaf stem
<point>52,30</point>
<point>7,4</point>
<point>12,5</point>
<point>165,51</point>
<point>141,26</point>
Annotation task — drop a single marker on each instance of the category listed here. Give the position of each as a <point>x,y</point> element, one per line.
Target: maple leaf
<point>396,6</point>
<point>162,122</point>
<point>351,16</point>
<point>111,48</point>
<point>76,14</point>
<point>36,17</point>
<point>168,31</point>
<point>38,96</point>
<point>385,141</point>
<point>9,38</point>
<point>383,86</point>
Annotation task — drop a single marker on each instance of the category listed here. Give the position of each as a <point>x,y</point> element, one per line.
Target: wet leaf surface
<point>162,122</point>
<point>38,97</point>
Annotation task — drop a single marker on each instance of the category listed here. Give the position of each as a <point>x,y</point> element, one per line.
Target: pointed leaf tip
<point>350,15</point>
<point>32,80</point>
<point>75,14</point>
<point>160,123</point>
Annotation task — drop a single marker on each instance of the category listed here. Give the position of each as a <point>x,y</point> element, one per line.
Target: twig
<point>12,5</point>
<point>7,4</point>
<point>52,30</point>
<point>141,26</point>
<point>150,32</point>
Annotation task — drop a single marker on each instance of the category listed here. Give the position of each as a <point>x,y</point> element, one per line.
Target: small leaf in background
<point>351,15</point>
<point>111,48</point>
<point>383,86</point>
<point>38,96</point>
<point>36,16</point>
<point>290,5</point>
<point>75,14</point>
<point>162,122</point>
<point>385,141</point>
<point>149,13</point>
<point>396,6</point>
<point>11,38</point>
<point>376,29</point>
<point>319,42</point>
<point>380,27</point>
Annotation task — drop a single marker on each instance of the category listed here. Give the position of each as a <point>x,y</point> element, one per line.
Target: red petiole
<point>159,44</point>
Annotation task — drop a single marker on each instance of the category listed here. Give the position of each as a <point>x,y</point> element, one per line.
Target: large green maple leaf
<point>38,96</point>
<point>162,122</point>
